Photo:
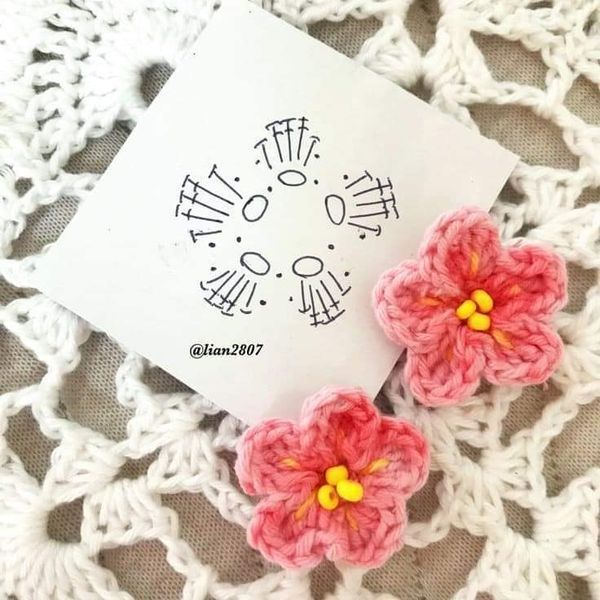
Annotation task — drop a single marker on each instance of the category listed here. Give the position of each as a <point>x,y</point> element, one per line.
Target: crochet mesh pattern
<point>117,482</point>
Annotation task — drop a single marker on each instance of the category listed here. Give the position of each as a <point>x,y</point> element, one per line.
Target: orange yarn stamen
<point>474,263</point>
<point>502,338</point>
<point>339,440</point>
<point>515,289</point>
<point>303,508</point>
<point>292,463</point>
<point>376,465</point>
<point>430,301</point>
<point>351,520</point>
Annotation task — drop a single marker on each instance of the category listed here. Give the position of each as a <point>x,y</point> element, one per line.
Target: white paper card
<point>254,207</point>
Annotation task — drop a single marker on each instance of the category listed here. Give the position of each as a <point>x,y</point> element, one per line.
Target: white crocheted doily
<point>511,510</point>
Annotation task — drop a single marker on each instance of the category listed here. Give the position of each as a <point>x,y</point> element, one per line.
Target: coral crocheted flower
<point>335,485</point>
<point>469,307</point>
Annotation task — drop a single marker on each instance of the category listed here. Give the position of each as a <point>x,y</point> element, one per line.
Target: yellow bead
<point>479,322</point>
<point>484,301</point>
<point>327,497</point>
<point>335,474</point>
<point>349,490</point>
<point>466,309</point>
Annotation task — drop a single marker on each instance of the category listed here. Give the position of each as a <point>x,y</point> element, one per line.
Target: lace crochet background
<point>116,481</point>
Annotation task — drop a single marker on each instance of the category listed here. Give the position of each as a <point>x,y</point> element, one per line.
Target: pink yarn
<point>286,463</point>
<point>415,304</point>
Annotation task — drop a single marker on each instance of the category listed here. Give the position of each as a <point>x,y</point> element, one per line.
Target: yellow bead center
<point>350,491</point>
<point>327,497</point>
<point>475,310</point>
<point>335,474</point>
<point>338,486</point>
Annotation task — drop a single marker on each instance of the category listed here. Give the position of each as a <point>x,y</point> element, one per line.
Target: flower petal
<point>460,251</point>
<point>451,372</point>
<point>529,279</point>
<point>526,351</point>
<point>410,312</point>
<point>295,542</point>
<point>406,467</point>
<point>270,459</point>
<point>377,533</point>
<point>340,425</point>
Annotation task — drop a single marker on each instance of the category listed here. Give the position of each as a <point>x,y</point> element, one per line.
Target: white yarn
<point>48,109</point>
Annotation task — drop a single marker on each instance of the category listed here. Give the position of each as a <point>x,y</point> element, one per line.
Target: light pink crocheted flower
<point>469,307</point>
<point>335,485</point>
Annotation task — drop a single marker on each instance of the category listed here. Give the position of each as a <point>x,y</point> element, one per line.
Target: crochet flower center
<point>474,310</point>
<point>337,488</point>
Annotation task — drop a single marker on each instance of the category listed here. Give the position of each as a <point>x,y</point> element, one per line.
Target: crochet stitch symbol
<point>362,202</point>
<point>371,200</point>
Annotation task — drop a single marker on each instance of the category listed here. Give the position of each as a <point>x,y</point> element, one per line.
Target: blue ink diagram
<point>211,204</point>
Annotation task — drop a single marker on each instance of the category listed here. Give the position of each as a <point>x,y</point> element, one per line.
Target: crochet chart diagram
<point>284,156</point>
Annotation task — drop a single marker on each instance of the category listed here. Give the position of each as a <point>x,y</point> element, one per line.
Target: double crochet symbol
<point>287,154</point>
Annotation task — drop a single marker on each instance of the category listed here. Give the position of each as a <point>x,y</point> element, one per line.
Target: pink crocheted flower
<point>335,485</point>
<point>469,307</point>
